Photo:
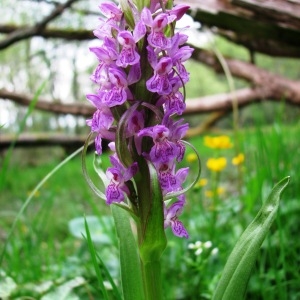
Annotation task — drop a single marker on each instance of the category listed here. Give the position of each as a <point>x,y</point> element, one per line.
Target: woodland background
<point>245,84</point>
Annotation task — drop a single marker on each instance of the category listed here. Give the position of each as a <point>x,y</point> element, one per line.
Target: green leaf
<point>237,271</point>
<point>131,276</point>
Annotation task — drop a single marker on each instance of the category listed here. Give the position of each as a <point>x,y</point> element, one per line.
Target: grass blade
<point>110,279</point>
<point>236,274</point>
<point>94,260</point>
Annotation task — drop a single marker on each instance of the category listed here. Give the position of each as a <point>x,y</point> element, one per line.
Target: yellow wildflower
<point>239,159</point>
<point>216,164</point>
<point>201,182</point>
<point>191,157</point>
<point>220,191</point>
<point>218,142</point>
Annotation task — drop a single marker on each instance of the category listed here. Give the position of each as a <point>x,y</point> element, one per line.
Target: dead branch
<point>66,34</point>
<point>270,85</point>
<point>224,102</point>
<point>42,140</point>
<point>76,109</point>
<point>24,33</point>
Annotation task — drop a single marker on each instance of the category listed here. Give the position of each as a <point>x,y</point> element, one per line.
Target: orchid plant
<point>139,100</point>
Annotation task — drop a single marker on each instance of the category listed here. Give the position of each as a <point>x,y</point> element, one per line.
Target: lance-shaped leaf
<point>131,276</point>
<point>237,271</point>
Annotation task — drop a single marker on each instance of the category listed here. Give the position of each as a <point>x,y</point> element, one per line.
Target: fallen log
<point>270,27</point>
<point>26,140</point>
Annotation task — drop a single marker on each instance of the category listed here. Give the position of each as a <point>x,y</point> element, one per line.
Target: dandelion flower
<point>216,164</point>
<point>239,159</point>
<point>201,182</point>
<point>191,157</point>
<point>210,194</point>
<point>218,142</point>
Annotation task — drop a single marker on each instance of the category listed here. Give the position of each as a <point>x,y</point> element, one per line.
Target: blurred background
<point>245,85</point>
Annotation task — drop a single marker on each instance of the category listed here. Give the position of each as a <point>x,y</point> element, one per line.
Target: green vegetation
<point>44,253</point>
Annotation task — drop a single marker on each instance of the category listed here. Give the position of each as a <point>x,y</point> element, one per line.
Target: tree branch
<point>270,84</point>
<point>76,109</point>
<point>66,34</point>
<point>24,33</point>
<point>224,102</point>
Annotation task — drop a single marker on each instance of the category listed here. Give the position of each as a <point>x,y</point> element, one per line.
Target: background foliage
<point>47,258</point>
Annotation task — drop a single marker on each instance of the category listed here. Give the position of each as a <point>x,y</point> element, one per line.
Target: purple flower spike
<point>171,219</point>
<point>136,102</point>
<point>118,175</point>
<point>128,54</point>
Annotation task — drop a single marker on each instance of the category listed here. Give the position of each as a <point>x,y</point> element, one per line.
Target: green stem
<point>151,235</point>
<point>215,202</point>
<point>152,280</point>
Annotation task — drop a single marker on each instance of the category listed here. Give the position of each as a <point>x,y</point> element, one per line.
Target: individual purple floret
<point>160,82</point>
<point>101,122</point>
<point>111,11</point>
<point>163,150</point>
<point>128,54</point>
<point>118,91</point>
<point>177,132</point>
<point>169,180</point>
<point>171,218</point>
<point>118,175</point>
<point>173,102</point>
